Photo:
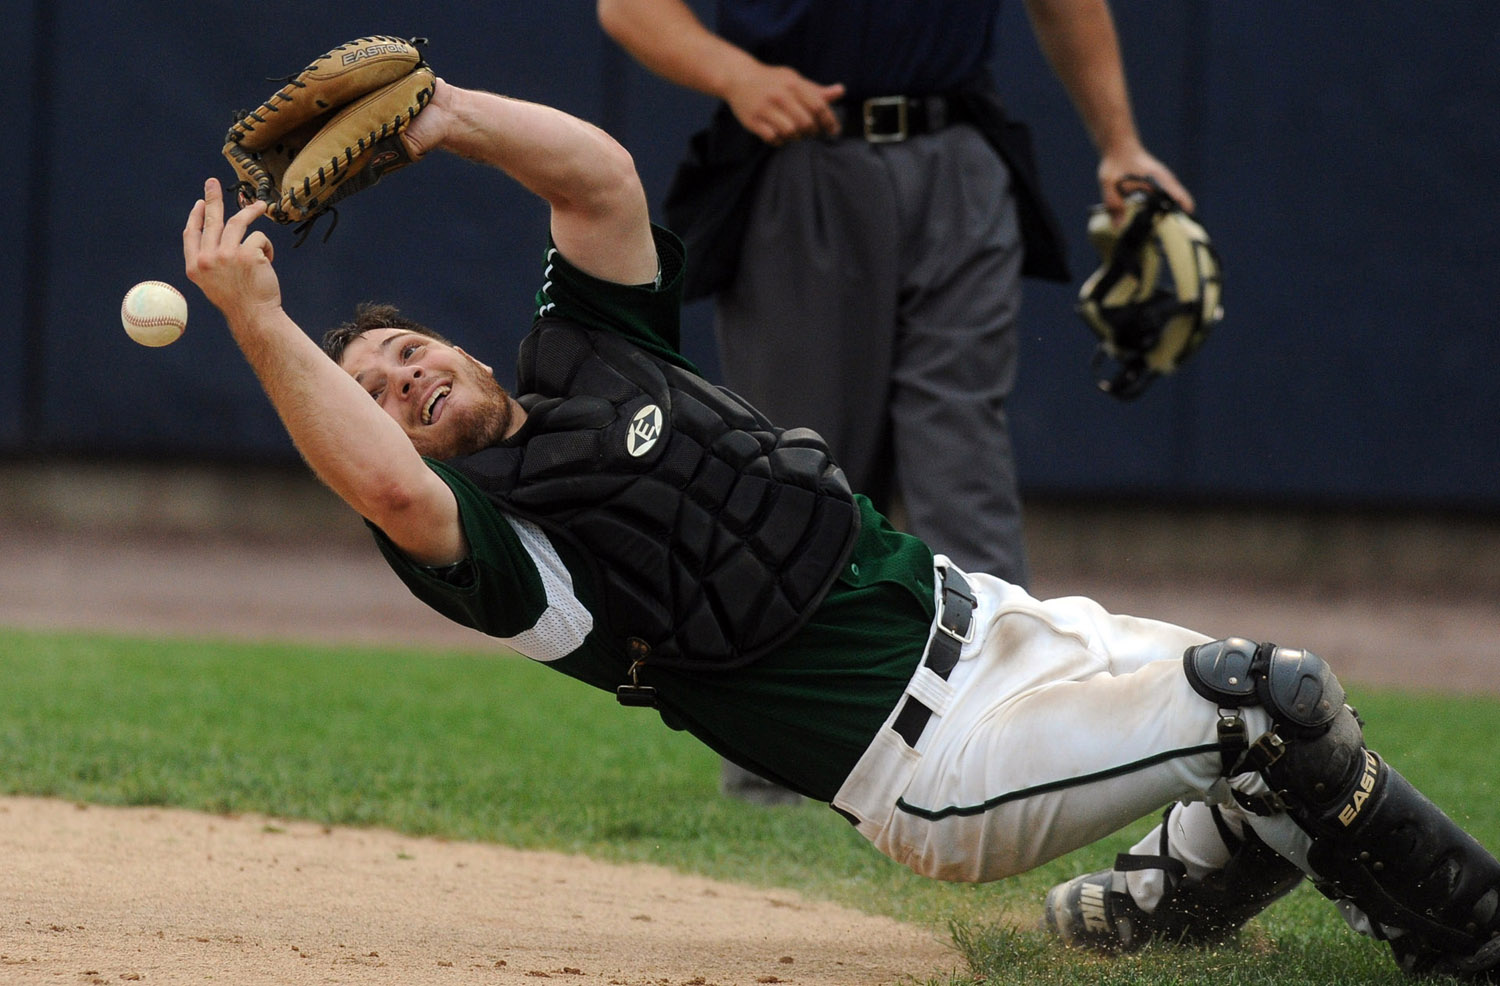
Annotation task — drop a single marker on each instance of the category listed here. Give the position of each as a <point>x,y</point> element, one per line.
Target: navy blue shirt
<point>874,47</point>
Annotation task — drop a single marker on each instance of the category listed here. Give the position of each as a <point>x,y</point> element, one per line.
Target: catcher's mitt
<point>1156,296</point>
<point>332,130</point>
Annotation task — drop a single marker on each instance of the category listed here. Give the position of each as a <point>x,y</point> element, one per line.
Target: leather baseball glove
<point>1156,296</point>
<point>332,130</point>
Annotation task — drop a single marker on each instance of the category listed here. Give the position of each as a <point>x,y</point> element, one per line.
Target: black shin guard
<point>1098,911</point>
<point>1212,910</point>
<point>1409,866</point>
<point>1377,841</point>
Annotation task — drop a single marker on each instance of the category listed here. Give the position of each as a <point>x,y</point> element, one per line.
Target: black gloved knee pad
<point>1295,686</point>
<point>1316,742</point>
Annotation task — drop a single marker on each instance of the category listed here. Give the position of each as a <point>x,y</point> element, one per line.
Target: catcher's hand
<point>332,130</point>
<point>1156,296</point>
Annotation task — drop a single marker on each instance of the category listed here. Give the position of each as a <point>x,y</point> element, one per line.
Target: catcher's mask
<point>1156,296</point>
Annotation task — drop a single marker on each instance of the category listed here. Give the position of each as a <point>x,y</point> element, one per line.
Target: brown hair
<point>368,316</point>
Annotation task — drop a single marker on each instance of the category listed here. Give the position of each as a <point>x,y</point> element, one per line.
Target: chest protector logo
<point>645,429</point>
<point>712,535</point>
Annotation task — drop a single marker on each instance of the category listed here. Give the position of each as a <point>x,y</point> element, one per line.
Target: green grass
<point>498,749</point>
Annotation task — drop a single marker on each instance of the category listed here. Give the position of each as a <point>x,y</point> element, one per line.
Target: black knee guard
<point>1295,686</point>
<point>1376,841</point>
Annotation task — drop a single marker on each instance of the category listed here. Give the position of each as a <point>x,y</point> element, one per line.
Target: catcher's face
<point>447,402</point>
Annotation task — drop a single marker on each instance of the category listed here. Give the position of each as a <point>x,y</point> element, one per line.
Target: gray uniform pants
<point>875,303</point>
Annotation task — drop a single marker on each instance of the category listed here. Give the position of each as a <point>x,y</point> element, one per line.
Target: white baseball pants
<point>1061,724</point>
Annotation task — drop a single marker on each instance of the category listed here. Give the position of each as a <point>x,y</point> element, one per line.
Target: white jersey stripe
<point>565,622</point>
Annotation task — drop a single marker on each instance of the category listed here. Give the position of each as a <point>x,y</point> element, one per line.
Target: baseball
<point>154,313</point>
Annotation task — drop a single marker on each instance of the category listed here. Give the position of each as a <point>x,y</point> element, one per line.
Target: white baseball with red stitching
<point>154,313</point>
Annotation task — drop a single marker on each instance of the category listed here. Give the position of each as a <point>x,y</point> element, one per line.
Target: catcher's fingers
<point>258,240</point>
<point>206,229</point>
<point>201,234</point>
<point>232,269</point>
<point>215,195</point>
<point>213,210</point>
<point>192,236</point>
<point>238,223</point>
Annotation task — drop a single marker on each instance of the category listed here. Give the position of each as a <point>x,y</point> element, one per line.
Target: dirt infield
<point>109,895</point>
<point>96,895</point>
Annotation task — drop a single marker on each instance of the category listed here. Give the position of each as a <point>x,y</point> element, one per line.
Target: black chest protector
<point>713,534</point>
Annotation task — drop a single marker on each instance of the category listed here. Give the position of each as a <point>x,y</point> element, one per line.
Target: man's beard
<point>478,425</point>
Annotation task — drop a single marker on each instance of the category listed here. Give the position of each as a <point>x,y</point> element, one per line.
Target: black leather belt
<point>888,119</point>
<point>954,629</point>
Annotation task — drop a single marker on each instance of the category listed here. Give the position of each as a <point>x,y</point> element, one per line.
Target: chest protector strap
<point>714,535</point>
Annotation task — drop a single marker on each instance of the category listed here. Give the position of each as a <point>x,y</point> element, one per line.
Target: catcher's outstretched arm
<point>354,447</point>
<point>600,216</point>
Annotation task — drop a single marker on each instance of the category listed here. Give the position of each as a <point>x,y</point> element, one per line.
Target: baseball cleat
<point>1096,910</point>
<point>1087,912</point>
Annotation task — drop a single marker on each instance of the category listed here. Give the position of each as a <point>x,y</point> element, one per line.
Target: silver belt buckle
<point>872,106</point>
<point>968,633</point>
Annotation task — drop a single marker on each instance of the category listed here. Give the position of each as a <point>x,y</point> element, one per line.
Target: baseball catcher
<point>1156,296</point>
<point>623,521</point>
<point>332,130</point>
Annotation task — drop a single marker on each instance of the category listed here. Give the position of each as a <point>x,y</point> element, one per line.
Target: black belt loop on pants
<point>955,627</point>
